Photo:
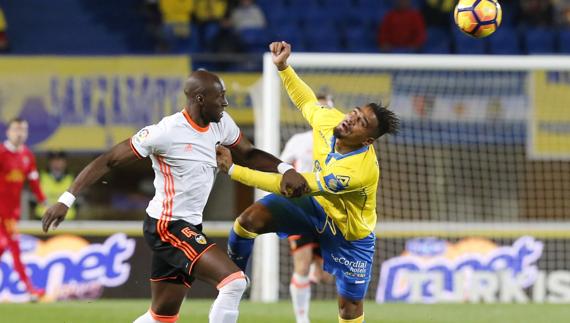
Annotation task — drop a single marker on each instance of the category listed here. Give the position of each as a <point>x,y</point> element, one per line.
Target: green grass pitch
<point>125,311</point>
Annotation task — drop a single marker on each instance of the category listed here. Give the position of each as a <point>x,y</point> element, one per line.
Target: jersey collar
<point>194,124</point>
<point>11,147</point>
<point>339,156</point>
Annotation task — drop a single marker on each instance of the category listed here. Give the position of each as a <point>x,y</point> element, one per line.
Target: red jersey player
<point>17,164</point>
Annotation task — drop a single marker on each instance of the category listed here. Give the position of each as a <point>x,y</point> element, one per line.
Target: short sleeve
<point>231,134</point>
<point>32,170</point>
<point>150,140</point>
<point>289,154</point>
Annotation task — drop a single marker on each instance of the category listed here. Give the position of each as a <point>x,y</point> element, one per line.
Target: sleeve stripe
<point>236,141</point>
<point>139,156</point>
<point>317,176</point>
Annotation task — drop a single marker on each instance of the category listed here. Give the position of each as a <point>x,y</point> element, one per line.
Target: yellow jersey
<point>345,185</point>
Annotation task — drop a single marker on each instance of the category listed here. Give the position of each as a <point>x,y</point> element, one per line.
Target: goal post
<point>482,159</point>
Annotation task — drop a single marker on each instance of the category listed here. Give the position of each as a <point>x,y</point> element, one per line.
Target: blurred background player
<point>307,260</point>
<point>55,180</point>
<point>17,165</point>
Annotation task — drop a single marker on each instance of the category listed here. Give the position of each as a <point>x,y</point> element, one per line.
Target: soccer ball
<point>478,18</point>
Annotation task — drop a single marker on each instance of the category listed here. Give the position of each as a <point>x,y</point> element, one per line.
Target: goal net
<point>474,194</point>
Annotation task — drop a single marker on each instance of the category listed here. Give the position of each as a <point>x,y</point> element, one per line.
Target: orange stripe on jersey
<point>194,124</point>
<point>139,156</point>
<point>163,318</point>
<point>168,189</point>
<point>162,225</point>
<point>167,214</point>
<point>231,278</point>
<point>237,141</point>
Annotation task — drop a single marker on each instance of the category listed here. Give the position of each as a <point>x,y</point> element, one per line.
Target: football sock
<point>356,320</point>
<point>240,245</point>
<point>300,288</point>
<point>225,308</point>
<point>18,265</point>
<point>151,317</point>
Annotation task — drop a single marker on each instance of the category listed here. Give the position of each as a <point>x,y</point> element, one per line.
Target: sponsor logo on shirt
<point>15,176</point>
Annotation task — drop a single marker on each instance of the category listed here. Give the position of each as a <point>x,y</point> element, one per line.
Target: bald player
<point>182,148</point>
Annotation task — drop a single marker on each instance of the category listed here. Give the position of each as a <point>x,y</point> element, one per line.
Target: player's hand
<point>293,184</point>
<point>54,216</point>
<point>280,52</point>
<point>223,158</point>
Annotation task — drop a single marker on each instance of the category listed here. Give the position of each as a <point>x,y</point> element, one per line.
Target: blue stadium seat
<point>368,13</point>
<point>280,15</point>
<point>323,37</point>
<point>292,35</point>
<point>437,41</point>
<point>254,39</point>
<point>465,44</point>
<point>540,40</point>
<point>505,41</point>
<point>310,11</point>
<point>360,40</point>
<point>564,41</point>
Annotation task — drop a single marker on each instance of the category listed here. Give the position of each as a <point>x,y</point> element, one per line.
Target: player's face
<point>357,127</point>
<point>17,133</point>
<point>57,165</point>
<point>215,102</point>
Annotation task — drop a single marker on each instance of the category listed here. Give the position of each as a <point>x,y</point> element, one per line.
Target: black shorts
<point>176,247</point>
<point>301,241</point>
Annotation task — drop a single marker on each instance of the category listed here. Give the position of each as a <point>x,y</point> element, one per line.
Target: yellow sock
<point>356,320</point>
<point>242,232</point>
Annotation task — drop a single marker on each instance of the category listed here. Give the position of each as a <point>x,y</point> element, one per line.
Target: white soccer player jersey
<point>183,157</point>
<point>299,152</point>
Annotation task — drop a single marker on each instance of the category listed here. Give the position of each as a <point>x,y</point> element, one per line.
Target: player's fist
<point>280,52</point>
<point>54,216</point>
<point>223,158</point>
<point>293,184</point>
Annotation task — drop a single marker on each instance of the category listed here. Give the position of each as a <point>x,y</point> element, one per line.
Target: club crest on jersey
<point>336,183</point>
<point>198,237</point>
<point>201,239</point>
<point>141,136</point>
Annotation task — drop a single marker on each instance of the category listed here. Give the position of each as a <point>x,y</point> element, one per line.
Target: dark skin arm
<point>293,184</point>
<point>119,155</point>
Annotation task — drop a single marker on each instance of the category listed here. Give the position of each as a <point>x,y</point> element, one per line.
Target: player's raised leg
<point>255,220</point>
<point>273,213</point>
<point>182,253</point>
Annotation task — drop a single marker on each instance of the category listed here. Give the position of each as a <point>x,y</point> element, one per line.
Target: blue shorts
<point>349,261</point>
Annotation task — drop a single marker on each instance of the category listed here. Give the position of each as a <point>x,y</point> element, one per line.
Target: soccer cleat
<point>36,295</point>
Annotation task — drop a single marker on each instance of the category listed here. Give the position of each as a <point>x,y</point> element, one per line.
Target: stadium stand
<point>83,27</point>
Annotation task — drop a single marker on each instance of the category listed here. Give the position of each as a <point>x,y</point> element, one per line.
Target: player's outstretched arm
<point>258,159</point>
<point>270,182</point>
<point>300,93</point>
<point>119,155</point>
